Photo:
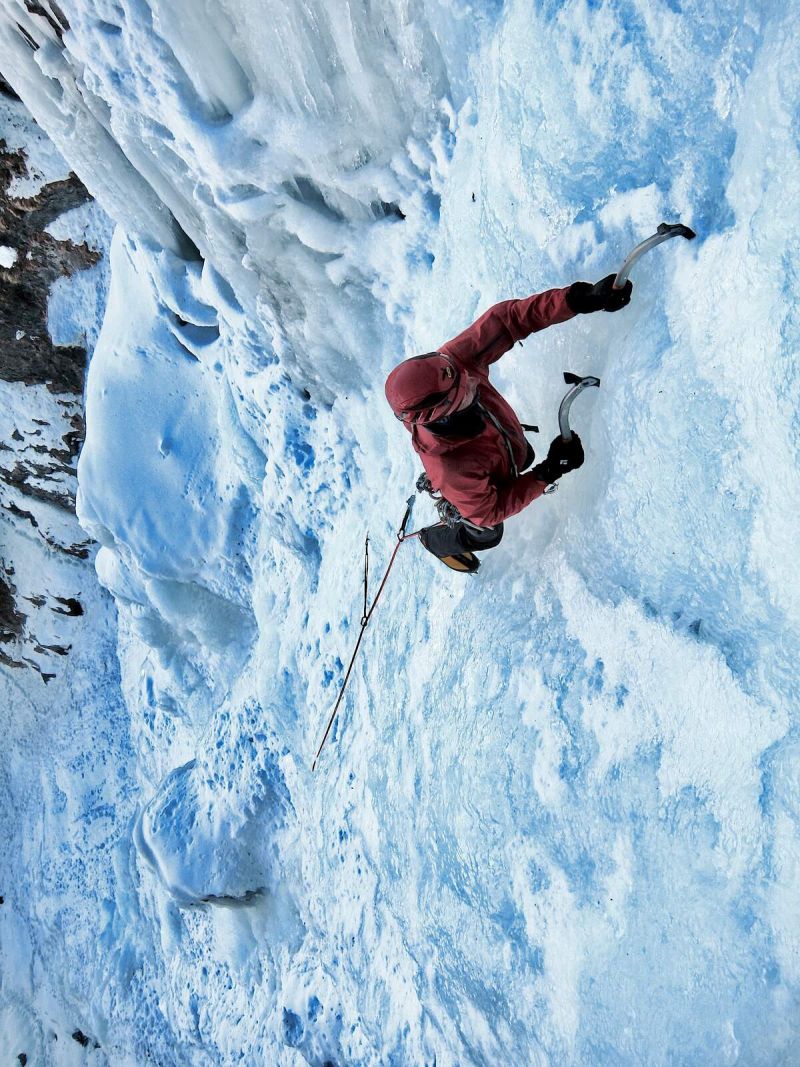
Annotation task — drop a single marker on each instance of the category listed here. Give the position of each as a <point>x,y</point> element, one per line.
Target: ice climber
<point>470,441</point>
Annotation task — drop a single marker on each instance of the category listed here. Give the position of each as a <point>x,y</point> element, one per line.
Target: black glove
<point>562,457</point>
<point>585,298</point>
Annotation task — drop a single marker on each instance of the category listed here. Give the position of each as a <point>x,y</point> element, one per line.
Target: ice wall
<point>557,819</point>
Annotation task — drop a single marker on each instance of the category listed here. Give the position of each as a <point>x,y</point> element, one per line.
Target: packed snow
<point>558,818</point>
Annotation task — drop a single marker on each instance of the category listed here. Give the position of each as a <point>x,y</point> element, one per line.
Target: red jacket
<point>475,473</point>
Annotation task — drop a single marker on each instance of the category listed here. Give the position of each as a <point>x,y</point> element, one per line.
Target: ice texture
<point>558,818</point>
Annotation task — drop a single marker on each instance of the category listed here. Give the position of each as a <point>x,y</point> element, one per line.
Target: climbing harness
<point>367,613</point>
<point>449,515</point>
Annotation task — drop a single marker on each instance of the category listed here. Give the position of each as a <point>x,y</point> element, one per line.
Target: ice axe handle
<point>577,385</point>
<point>664,232</point>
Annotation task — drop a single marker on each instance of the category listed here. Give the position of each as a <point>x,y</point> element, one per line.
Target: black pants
<point>452,540</point>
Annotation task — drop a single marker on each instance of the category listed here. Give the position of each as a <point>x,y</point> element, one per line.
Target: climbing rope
<point>367,615</point>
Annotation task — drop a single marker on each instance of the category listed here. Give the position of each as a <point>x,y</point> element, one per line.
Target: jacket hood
<point>425,388</point>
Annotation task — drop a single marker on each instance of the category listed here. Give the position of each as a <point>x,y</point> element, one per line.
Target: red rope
<point>401,537</point>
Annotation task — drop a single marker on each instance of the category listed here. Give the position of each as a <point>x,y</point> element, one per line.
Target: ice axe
<point>663,233</point>
<point>577,385</point>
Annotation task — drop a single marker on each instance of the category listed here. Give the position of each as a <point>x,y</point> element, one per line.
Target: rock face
<point>27,353</point>
<point>41,400</point>
<point>64,782</point>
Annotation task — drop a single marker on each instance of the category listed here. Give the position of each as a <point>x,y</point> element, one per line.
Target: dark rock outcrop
<point>12,621</point>
<point>38,455</point>
<point>27,352</point>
